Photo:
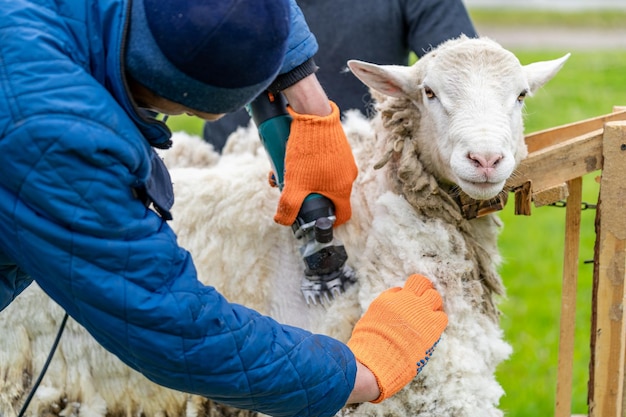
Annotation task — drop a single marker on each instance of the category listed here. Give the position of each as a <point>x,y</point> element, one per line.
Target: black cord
<point>45,367</point>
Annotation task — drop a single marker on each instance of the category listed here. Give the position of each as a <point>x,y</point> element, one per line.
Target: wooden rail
<point>558,159</point>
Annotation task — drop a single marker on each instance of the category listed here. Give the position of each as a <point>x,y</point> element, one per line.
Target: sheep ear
<point>391,80</point>
<point>539,73</point>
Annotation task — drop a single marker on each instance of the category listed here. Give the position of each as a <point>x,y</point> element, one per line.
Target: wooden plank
<point>620,388</point>
<point>551,166</point>
<point>551,195</point>
<point>568,299</point>
<point>549,137</point>
<point>608,342</point>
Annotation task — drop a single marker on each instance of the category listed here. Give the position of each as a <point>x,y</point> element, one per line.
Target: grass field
<point>511,18</point>
<point>532,247</point>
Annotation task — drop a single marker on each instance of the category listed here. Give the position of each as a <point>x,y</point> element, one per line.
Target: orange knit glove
<point>318,160</point>
<point>397,334</point>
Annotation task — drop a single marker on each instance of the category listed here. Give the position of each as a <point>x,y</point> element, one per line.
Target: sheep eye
<point>522,95</point>
<point>430,94</point>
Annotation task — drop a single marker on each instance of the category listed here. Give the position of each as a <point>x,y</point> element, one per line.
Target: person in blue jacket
<point>382,32</point>
<point>85,200</point>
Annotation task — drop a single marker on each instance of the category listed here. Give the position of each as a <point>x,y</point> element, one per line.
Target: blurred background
<point>590,84</point>
<point>565,5</point>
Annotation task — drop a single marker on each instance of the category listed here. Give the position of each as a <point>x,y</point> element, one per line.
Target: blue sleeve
<point>69,219</point>
<point>302,44</point>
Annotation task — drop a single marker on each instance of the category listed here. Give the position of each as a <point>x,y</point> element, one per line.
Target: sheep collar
<point>471,208</point>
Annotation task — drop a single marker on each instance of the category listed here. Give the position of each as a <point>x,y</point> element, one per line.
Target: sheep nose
<point>485,163</point>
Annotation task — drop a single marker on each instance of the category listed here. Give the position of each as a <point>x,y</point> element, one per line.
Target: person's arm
<point>365,386</point>
<point>301,45</point>
<point>68,217</point>
<point>308,97</point>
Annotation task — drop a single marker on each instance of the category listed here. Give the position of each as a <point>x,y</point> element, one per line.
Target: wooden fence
<point>558,159</point>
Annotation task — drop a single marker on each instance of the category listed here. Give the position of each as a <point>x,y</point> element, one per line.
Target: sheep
<point>450,127</point>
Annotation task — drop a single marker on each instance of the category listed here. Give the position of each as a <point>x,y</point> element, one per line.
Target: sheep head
<point>468,95</point>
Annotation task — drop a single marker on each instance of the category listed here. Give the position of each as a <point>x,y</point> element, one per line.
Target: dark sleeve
<point>431,22</point>
<point>13,280</point>
<point>291,77</point>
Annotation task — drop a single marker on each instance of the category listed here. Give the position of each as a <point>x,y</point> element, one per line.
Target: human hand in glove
<point>318,160</point>
<point>398,333</point>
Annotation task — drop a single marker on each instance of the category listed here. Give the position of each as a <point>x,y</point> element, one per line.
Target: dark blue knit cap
<point>213,56</point>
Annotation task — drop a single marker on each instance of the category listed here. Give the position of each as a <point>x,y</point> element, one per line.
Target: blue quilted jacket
<point>74,157</point>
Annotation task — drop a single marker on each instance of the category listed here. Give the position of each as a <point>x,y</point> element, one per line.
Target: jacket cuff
<point>290,78</point>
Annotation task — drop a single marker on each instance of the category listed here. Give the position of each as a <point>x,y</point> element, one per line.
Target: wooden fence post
<point>568,299</point>
<point>608,344</point>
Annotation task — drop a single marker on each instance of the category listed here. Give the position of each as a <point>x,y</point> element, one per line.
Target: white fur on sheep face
<point>470,97</point>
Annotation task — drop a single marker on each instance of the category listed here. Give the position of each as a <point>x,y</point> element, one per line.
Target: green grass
<point>189,124</point>
<point>606,19</point>
<point>532,247</point>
